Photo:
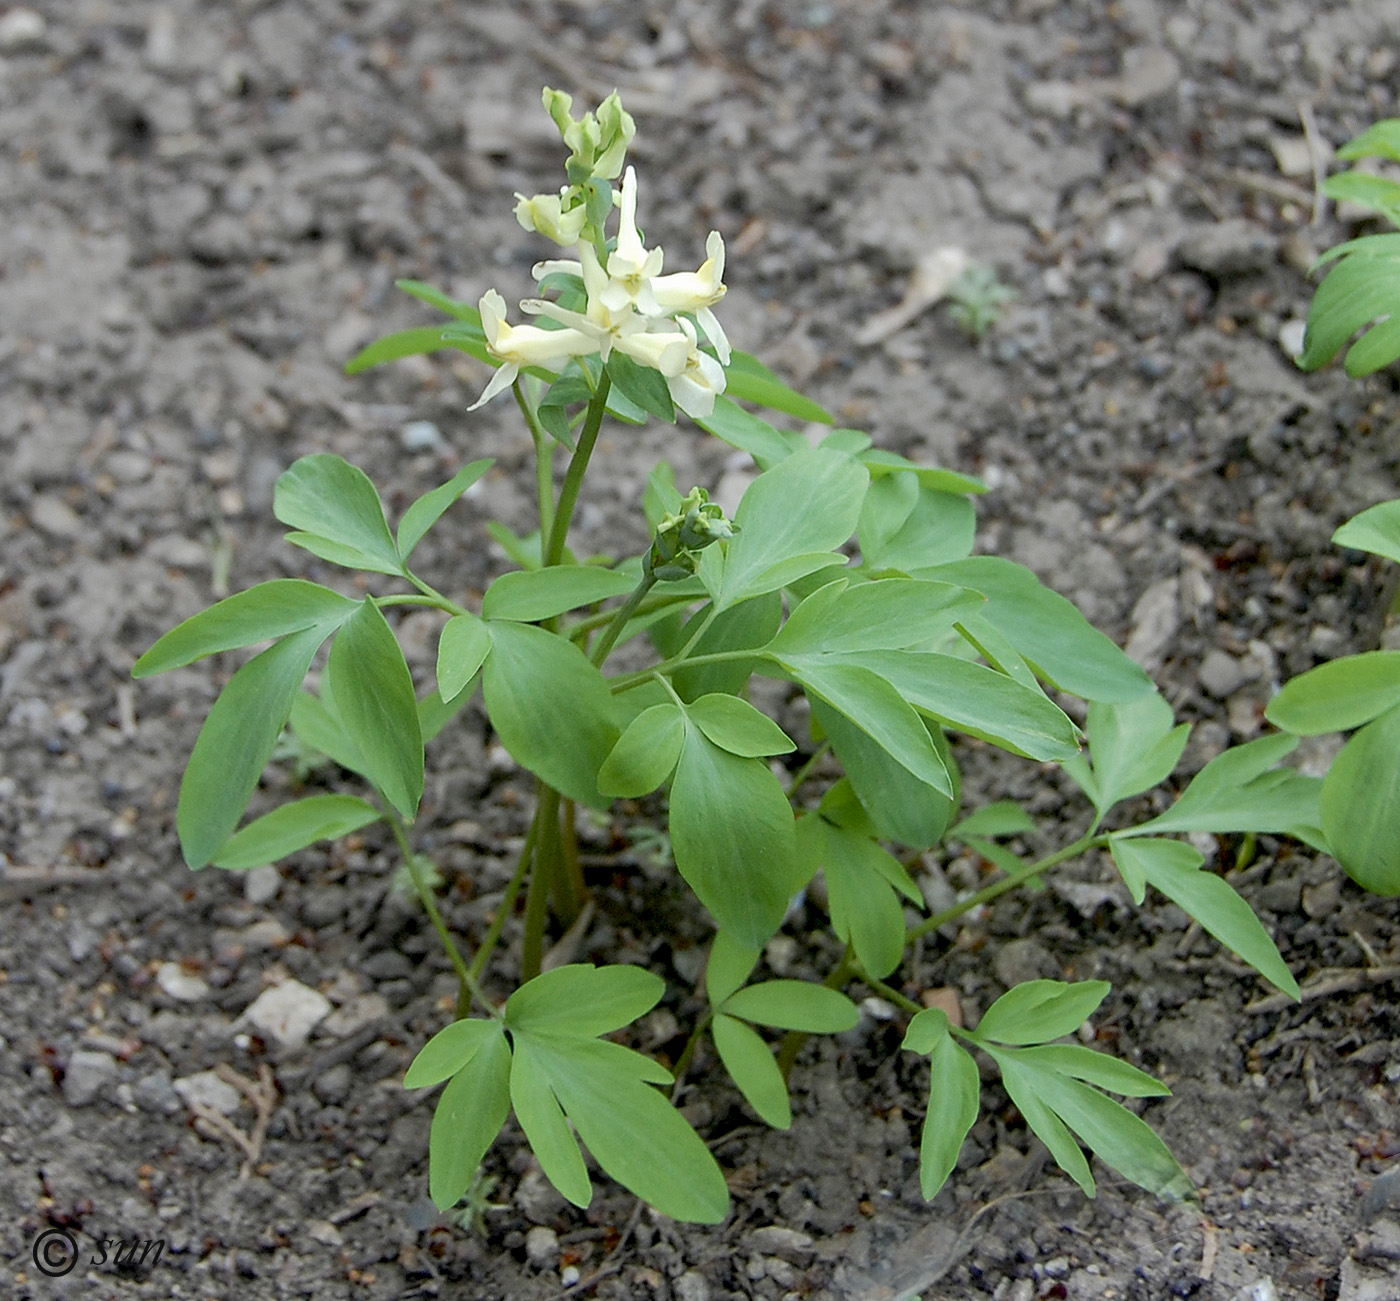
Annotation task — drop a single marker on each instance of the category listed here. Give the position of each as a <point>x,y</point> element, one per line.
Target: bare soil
<point>203,208</point>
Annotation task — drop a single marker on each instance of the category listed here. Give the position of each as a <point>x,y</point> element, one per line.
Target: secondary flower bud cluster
<point>684,533</point>
<point>655,319</point>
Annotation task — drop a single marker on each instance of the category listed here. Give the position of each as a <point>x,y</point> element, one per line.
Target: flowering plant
<point>846,575</point>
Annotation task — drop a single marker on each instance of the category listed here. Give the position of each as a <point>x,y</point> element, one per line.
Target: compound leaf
<point>469,1115</point>
<point>528,595</point>
<point>431,506</point>
<point>329,500</point>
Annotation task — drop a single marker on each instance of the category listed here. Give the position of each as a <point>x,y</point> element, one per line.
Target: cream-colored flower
<point>517,346</point>
<point>631,266</point>
<point>545,213</point>
<point>697,292</point>
<point>701,380</point>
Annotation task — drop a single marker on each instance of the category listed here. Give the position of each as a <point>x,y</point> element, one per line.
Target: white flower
<point>631,267</point>
<point>697,292</point>
<point>524,345</point>
<point>701,381</point>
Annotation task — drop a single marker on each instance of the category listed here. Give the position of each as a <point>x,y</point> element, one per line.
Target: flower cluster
<point>656,320</point>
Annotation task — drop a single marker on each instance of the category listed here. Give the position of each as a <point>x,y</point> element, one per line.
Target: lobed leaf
<point>731,424</point>
<point>1174,868</point>
<point>749,380</point>
<point>1036,1011</point>
<point>1134,747</point>
<point>237,741</point>
<point>645,754</point>
<point>581,1000</point>
<point>954,1098</point>
<point>375,701</point>
<point>469,1115</point>
<point>431,506</point>
<point>332,502</point>
<point>729,965</point>
<point>267,611</point>
<point>541,1116</point>
<point>448,1051</point>
<point>889,615</point>
<point>865,911</point>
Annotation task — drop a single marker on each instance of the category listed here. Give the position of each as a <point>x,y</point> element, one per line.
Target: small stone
<point>333,1086</point>
<point>1221,674</point>
<point>355,1015</point>
<point>1229,248</point>
<point>1020,960</point>
<point>692,1286</point>
<point>155,1092</point>
<point>88,1076</point>
<point>1156,621</point>
<point>53,515</point>
<point>287,1013</point>
<point>22,29</point>
<point>536,1198</point>
<point>206,1089</point>
<point>1148,74</point>
<point>178,984</point>
<point>1290,338</point>
<point>790,1245</point>
<point>261,885</point>
<point>324,1232</point>
<point>541,1247</point>
<point>421,436</point>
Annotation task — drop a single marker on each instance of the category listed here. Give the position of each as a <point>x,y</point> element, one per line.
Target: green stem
<point>627,681</point>
<point>807,768</point>
<point>573,478</point>
<point>407,598</point>
<point>544,453</point>
<point>660,600</point>
<point>889,993</point>
<point>541,879</point>
<point>998,888</point>
<point>619,621</point>
<point>507,906</point>
<point>470,987</point>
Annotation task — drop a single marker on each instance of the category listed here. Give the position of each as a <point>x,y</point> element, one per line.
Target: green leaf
<point>1361,289</point>
<point>1062,645</point>
<point>375,700</point>
<point>954,1097</point>
<point>1339,696</point>
<point>735,725</point>
<point>434,297</point>
<point>1174,868</point>
<point>634,1133</point>
<point>1118,1138</point>
<point>794,1005</point>
<point>1361,806</point>
<point>1037,1011</point>
<point>977,700</point>
<point>551,708</point>
<point>431,506</point>
<point>939,528</point>
<point>1107,1072</point>
<point>876,708</point>
<point>434,713</point>
<point>732,424</point>
<point>236,742</point>
<point>752,1067</point>
<point>865,911</point>
<point>1025,1086</point>
<point>329,499</point>
<point>890,614</point>
<point>993,647</point>
<point>902,806</point>
<point>1379,193</point>
<point>750,624</point>
<point>804,506</point>
<point>643,385</point>
<point>463,646</point>
<point>294,826</point>
<point>583,1000</point>
<point>405,343</point>
<point>1236,791</point>
<point>732,834</point>
<point>1379,140</point>
<point>645,754</point>
<point>1376,530</point>
<point>448,1051</point>
<point>269,610</point>
<point>1003,818</point>
<point>528,595</point>
<point>749,380</point>
<point>888,503</point>
<point>1134,748</point>
<point>318,725</point>
<point>729,966</point>
<point>469,1115</point>
<point>541,1116</point>
<point>881,463</point>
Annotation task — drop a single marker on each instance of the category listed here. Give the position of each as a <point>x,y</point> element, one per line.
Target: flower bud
<point>683,534</point>
<point>547,214</point>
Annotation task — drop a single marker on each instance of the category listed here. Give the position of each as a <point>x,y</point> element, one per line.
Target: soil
<point>204,207</point>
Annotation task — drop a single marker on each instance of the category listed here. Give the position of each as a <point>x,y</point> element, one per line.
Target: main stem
<point>573,478</point>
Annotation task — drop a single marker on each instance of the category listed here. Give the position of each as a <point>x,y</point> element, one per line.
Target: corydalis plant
<point>846,573</point>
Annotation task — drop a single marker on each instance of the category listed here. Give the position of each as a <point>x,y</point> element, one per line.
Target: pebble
<point>261,885</point>
<point>207,1090</point>
<point>1229,248</point>
<point>1020,960</point>
<point>156,1093</point>
<point>22,29</point>
<point>287,1013</point>
<point>692,1286</point>
<point>333,1086</point>
<point>53,515</point>
<point>1221,674</point>
<point>358,1012</point>
<point>1290,337</point>
<point>541,1247</point>
<point>421,436</point>
<point>88,1075</point>
<point>178,984</point>
<point>792,1246</point>
<point>324,1232</point>
<point>536,1198</point>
